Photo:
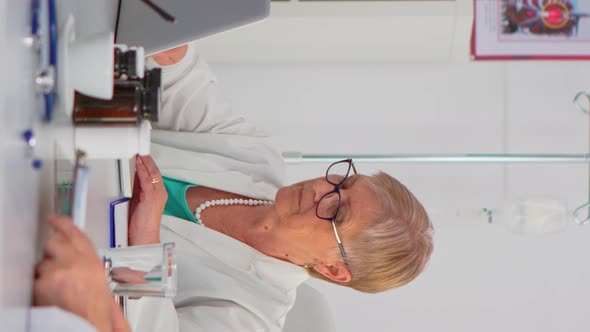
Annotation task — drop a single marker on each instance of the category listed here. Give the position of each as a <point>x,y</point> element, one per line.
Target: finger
<point>58,247</point>
<point>44,268</point>
<point>150,165</point>
<point>142,173</point>
<point>62,224</point>
<point>136,184</point>
<point>149,174</point>
<point>41,290</point>
<point>119,323</point>
<point>65,226</point>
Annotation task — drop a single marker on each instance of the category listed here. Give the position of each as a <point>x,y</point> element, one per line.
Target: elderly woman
<point>245,241</point>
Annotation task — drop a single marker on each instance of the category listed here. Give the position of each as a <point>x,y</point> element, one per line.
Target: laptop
<point>158,25</point>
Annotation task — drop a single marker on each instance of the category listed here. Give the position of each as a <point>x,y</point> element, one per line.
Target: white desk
<point>21,186</point>
<point>18,181</point>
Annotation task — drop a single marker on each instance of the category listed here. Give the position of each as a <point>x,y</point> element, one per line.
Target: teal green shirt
<point>176,205</point>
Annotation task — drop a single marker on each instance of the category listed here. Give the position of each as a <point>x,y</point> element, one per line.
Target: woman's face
<point>310,237</point>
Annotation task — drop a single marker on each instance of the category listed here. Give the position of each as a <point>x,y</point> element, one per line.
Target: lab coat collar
<point>237,254</point>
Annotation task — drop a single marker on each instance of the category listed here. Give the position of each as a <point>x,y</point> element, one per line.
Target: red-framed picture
<point>531,29</point>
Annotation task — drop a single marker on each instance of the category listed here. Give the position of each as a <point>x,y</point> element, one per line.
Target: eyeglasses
<point>329,205</point>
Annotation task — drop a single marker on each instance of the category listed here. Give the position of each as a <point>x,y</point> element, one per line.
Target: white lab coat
<point>48,319</point>
<point>223,284</point>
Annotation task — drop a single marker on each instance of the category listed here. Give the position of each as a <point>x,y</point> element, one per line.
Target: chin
<point>285,200</point>
<point>281,196</point>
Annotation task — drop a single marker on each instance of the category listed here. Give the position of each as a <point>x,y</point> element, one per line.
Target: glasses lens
<point>328,206</point>
<point>338,172</point>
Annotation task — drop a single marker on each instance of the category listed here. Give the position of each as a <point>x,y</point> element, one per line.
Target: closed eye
<point>342,213</point>
<point>344,210</point>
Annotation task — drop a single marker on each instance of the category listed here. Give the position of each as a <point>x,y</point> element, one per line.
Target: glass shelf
<point>296,158</point>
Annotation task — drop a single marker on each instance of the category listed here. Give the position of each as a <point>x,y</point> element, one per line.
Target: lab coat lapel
<point>232,252</point>
<point>228,250</point>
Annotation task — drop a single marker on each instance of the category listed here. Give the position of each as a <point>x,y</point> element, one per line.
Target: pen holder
<point>138,271</point>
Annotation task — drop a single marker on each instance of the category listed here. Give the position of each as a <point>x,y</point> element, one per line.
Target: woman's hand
<point>171,56</point>
<point>71,276</point>
<point>147,203</point>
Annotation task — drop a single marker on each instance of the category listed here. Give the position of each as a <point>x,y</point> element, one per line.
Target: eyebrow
<point>351,179</point>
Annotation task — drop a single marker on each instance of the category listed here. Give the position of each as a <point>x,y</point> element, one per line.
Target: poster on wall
<point>531,29</point>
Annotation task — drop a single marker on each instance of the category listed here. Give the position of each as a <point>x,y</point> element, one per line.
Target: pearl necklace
<point>230,201</point>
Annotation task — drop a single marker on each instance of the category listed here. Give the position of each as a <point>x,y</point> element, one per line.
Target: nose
<point>321,187</point>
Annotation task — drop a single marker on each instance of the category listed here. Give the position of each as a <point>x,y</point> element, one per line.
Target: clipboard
<point>119,211</point>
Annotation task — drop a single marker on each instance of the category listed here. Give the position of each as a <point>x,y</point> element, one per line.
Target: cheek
<point>306,225</point>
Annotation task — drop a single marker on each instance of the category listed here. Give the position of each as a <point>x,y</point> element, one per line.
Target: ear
<point>338,271</point>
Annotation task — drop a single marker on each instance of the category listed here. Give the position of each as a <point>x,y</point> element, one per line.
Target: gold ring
<point>156,180</point>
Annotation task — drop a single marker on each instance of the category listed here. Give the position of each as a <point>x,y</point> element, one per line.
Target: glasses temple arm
<point>340,246</point>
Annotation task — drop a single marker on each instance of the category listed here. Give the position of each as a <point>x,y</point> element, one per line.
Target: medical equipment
<point>44,40</point>
<point>134,99</point>
<point>136,93</point>
<point>108,115</point>
<point>137,23</point>
<point>160,11</point>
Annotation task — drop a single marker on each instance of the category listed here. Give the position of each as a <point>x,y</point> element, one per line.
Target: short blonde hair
<point>395,248</point>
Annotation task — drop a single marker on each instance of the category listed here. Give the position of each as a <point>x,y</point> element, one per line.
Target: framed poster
<point>531,29</point>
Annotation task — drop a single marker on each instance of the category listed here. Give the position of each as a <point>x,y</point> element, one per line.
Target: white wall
<point>349,31</point>
<point>482,277</point>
